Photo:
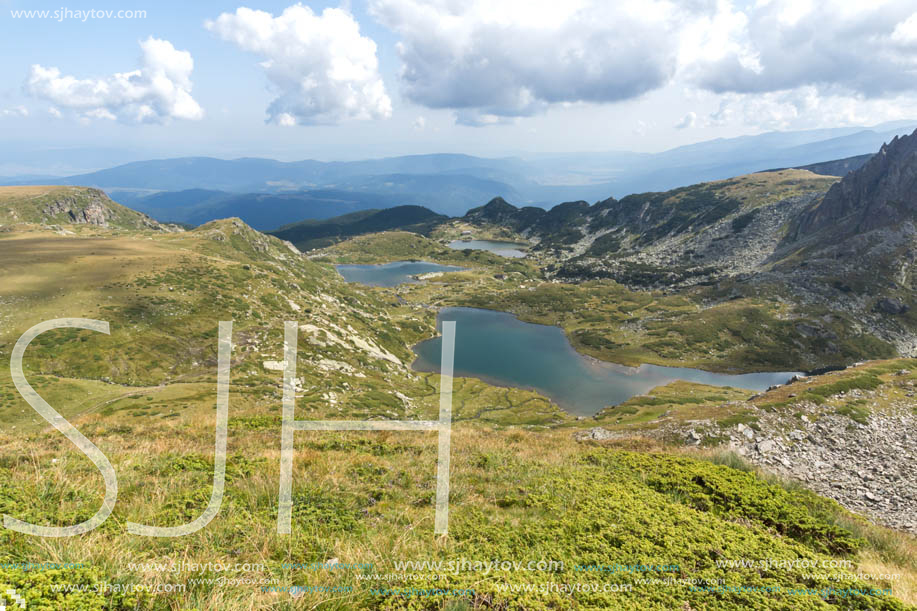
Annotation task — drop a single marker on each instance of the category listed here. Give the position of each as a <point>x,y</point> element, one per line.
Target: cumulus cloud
<point>689,120</point>
<point>320,66</point>
<point>517,57</point>
<point>419,123</point>
<point>158,91</point>
<point>492,62</point>
<point>858,48</point>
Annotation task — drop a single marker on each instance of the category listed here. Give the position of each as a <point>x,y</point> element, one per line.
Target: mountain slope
<point>522,489</point>
<point>307,235</point>
<point>882,192</point>
<point>66,206</point>
<point>843,250</point>
<point>661,228</point>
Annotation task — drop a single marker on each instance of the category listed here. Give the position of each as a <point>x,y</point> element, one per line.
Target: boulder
<point>891,306</point>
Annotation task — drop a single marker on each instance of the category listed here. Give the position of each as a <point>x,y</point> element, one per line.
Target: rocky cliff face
<point>65,205</point>
<point>88,208</point>
<point>883,192</point>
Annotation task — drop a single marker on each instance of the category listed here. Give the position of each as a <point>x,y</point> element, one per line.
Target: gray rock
<point>595,434</point>
<point>891,305</point>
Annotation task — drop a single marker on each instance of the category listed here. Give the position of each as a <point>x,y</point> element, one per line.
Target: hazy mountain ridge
<point>263,211</point>
<point>454,183</point>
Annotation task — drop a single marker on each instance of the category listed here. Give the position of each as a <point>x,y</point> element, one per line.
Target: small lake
<point>391,274</point>
<point>501,349</point>
<point>504,249</point>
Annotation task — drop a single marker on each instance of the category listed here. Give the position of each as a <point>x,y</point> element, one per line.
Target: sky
<point>371,78</point>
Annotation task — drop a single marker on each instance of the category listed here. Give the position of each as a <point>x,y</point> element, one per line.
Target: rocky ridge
<point>864,462</point>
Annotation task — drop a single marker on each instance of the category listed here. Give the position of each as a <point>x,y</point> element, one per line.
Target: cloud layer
<point>517,57</point>
<point>769,63</point>
<point>492,62</point>
<point>158,91</point>
<point>862,48</point>
<point>320,66</point>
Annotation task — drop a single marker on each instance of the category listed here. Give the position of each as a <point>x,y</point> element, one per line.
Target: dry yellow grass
<point>18,192</point>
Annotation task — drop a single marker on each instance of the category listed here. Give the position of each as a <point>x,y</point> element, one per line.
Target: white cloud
<point>158,91</point>
<point>322,69</point>
<point>838,46</point>
<point>689,120</point>
<point>473,117</point>
<point>906,32</point>
<point>55,112</point>
<point>491,60</point>
<point>420,123</point>
<point>16,111</point>
<point>806,107</point>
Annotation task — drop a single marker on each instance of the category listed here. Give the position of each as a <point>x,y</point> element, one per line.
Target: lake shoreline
<point>500,349</point>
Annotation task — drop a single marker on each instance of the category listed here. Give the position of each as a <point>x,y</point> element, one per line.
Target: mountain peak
<point>498,204</point>
<point>497,210</point>
<point>882,192</point>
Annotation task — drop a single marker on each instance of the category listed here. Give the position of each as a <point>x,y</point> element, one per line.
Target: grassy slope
<point>367,498</point>
<point>521,488</point>
<point>29,204</point>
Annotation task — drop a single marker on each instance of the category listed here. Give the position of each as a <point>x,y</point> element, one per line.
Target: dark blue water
<point>391,274</point>
<point>499,348</point>
<point>504,249</point>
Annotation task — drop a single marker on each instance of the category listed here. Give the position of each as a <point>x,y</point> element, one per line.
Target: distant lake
<point>391,274</point>
<point>501,349</point>
<point>504,249</point>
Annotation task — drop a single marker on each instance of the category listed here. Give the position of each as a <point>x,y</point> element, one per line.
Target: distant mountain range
<point>845,245</point>
<point>262,211</point>
<point>268,193</point>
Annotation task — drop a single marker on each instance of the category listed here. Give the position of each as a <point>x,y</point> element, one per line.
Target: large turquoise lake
<point>501,349</point>
<point>391,274</point>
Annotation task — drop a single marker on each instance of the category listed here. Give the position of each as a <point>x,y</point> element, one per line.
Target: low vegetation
<point>661,527</point>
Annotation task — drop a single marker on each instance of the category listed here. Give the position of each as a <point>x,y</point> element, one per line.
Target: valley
<point>458,305</point>
<point>688,468</point>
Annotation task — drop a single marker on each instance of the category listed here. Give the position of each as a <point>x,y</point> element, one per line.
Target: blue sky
<point>487,78</point>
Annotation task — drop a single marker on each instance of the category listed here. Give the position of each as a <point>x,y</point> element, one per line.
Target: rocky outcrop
<point>858,448</point>
<point>81,212</point>
<point>87,207</point>
<point>891,305</point>
<point>866,467</point>
<point>882,192</point>
<point>83,206</point>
